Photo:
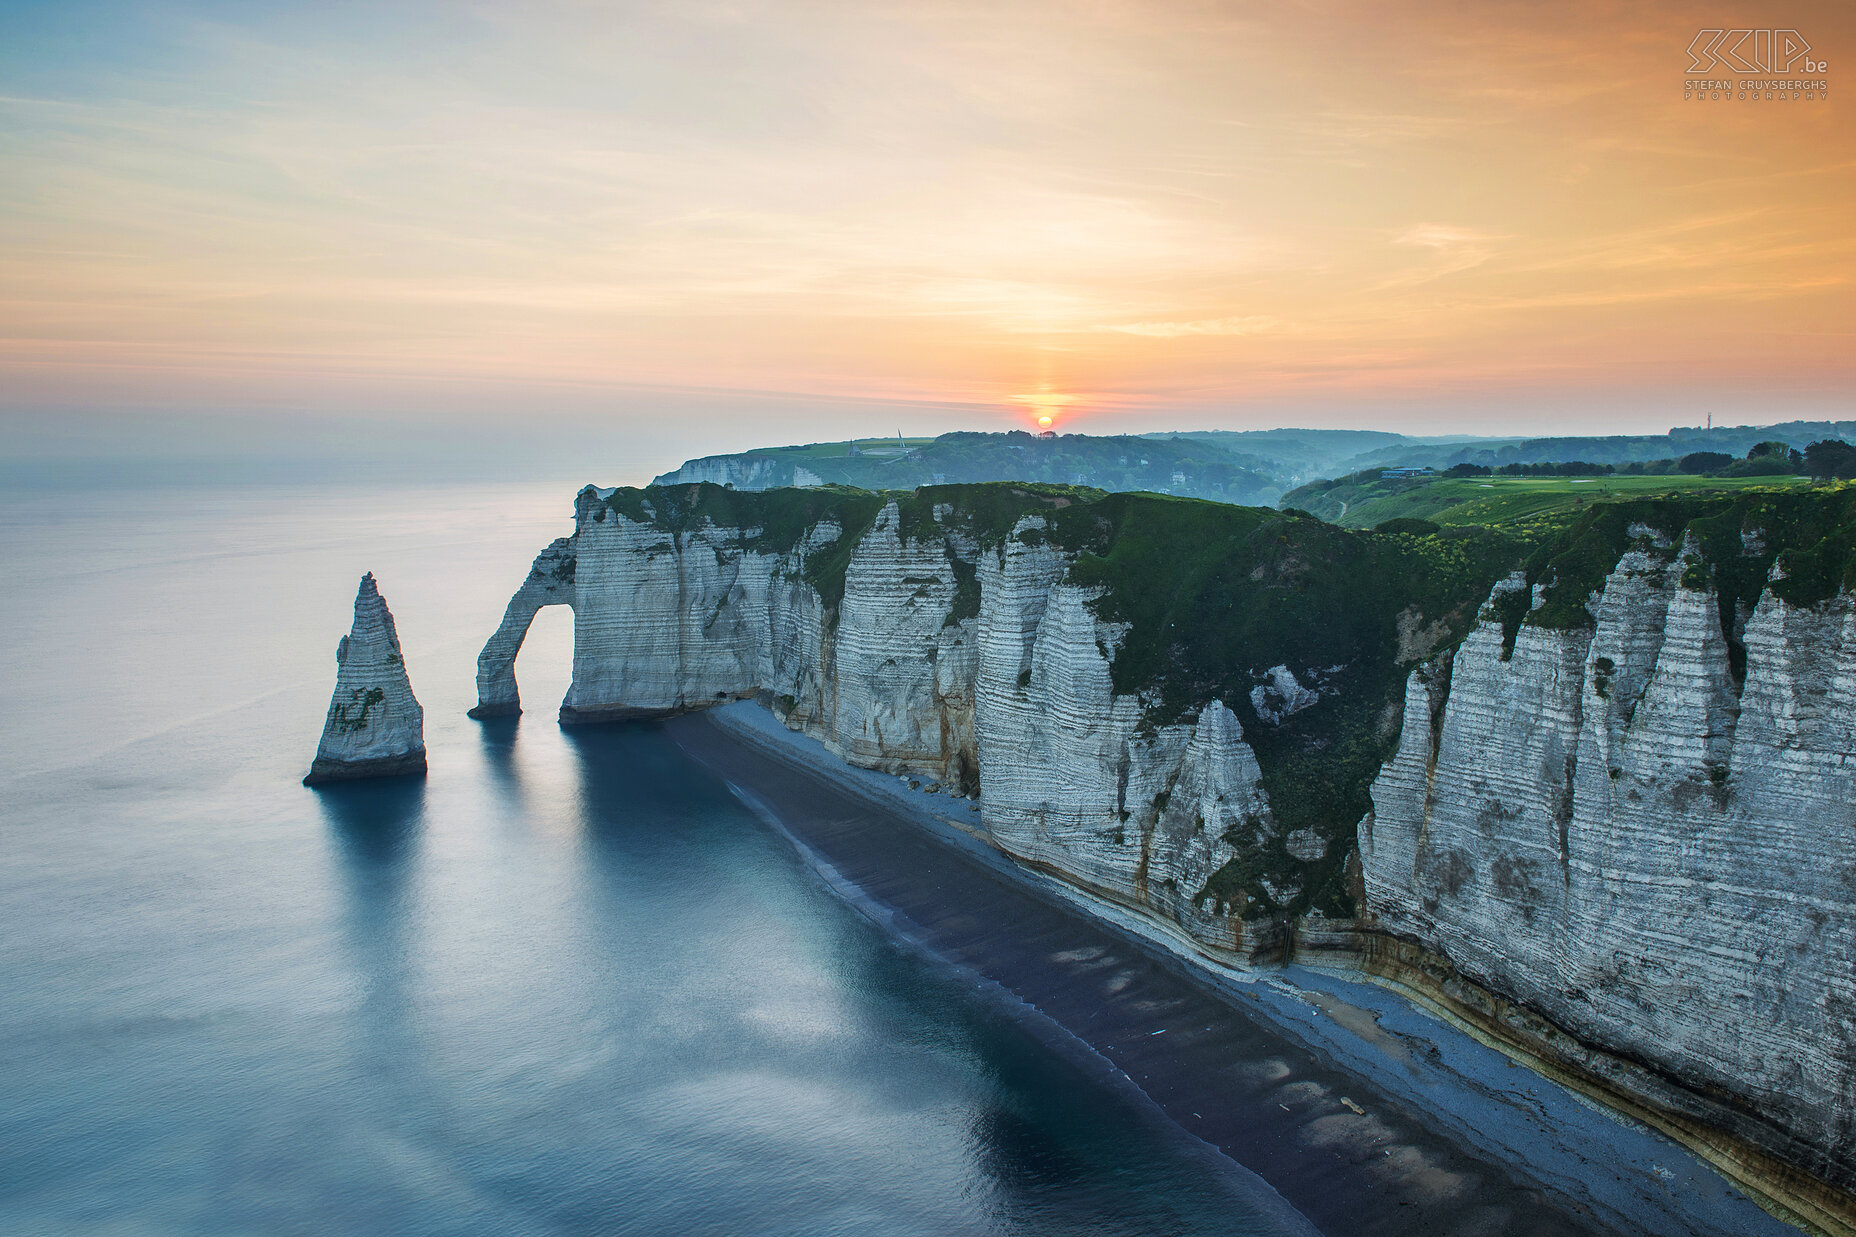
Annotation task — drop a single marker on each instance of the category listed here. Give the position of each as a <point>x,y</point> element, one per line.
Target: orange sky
<point>1427,217</point>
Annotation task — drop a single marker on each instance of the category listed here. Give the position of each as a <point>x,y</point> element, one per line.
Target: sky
<point>700,226</point>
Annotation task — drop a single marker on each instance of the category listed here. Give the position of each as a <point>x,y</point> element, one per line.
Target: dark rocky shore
<point>1329,1118</point>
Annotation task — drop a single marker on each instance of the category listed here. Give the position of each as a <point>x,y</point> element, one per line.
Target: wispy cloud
<point>940,202</point>
<point>1447,238</point>
<point>1255,324</point>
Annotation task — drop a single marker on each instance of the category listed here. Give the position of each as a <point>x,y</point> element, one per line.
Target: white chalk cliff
<point>1603,829</point>
<point>375,728</point>
<point>1615,852</point>
<point>896,677</point>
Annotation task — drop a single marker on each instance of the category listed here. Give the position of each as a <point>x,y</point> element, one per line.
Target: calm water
<point>567,985</point>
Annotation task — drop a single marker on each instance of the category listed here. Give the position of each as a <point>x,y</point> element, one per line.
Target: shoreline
<point>1433,1131</point>
<point>1256,1193</point>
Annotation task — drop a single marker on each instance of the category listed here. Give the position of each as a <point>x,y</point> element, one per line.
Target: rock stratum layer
<point>1590,793</point>
<point>375,728</point>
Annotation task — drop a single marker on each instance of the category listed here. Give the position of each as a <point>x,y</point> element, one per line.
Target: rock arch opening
<point>550,582</point>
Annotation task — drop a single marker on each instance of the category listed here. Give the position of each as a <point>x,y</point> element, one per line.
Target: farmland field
<point>1505,501</point>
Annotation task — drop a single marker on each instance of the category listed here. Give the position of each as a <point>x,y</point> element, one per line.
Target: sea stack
<point>375,727</point>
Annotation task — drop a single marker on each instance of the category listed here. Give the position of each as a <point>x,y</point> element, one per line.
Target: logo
<point>1739,56</point>
<point>1751,51</point>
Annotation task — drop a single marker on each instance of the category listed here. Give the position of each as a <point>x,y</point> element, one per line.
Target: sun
<point>1045,407</point>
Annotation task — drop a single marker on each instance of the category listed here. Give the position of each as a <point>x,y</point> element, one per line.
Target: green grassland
<point>1504,502</point>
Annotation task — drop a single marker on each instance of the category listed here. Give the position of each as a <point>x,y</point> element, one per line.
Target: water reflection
<point>377,827</point>
<point>376,822</point>
<point>497,736</point>
<point>777,981</point>
<point>630,773</point>
<point>650,1016</point>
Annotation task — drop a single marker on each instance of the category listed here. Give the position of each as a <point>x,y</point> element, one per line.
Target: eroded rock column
<point>375,727</point>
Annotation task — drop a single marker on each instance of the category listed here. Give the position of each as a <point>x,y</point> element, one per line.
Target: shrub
<point>1705,461</point>
<point>1830,458</point>
<point>1762,466</point>
<point>1409,526</point>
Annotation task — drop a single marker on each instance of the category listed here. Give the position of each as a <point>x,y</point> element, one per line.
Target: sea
<point>569,983</point>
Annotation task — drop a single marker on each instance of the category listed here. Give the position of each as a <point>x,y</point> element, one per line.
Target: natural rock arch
<point>550,583</point>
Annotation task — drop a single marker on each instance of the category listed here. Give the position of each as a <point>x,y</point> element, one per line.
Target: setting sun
<point>1044,405</point>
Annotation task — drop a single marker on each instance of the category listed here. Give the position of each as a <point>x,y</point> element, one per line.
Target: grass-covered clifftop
<point>1367,500</point>
<point>1808,534</point>
<point>1220,601</point>
<point>1214,597</point>
<point>771,521</point>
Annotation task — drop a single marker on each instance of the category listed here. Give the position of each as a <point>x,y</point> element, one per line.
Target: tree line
<point>1828,459</point>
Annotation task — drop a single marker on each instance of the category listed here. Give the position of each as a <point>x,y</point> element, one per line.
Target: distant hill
<point>1120,462</point>
<point>1256,467</point>
<point>1735,440</point>
<point>1293,457</point>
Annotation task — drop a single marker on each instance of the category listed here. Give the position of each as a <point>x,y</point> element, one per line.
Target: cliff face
<point>973,636</point>
<point>1613,830</point>
<point>375,728</point>
<point>1613,801</point>
<point>1077,778</point>
<point>745,472</point>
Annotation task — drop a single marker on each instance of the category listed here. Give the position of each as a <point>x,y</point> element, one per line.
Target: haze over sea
<point>568,984</point>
